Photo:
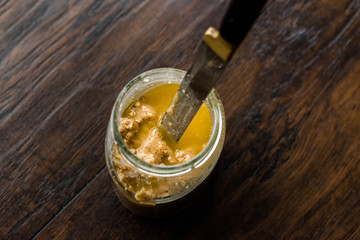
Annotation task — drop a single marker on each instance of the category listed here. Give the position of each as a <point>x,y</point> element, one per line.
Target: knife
<point>212,55</point>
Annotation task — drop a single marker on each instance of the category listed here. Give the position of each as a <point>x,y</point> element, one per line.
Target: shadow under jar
<point>183,182</point>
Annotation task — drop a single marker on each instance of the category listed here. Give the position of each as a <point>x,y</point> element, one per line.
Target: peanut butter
<point>140,132</point>
<point>139,129</point>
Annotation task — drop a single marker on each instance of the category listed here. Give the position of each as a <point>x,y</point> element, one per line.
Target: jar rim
<point>212,99</point>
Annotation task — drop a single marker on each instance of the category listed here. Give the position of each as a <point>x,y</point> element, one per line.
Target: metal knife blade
<point>196,85</point>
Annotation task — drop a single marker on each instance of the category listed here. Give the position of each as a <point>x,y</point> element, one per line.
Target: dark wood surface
<point>290,168</point>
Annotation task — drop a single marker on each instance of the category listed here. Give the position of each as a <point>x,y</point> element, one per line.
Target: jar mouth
<point>154,78</point>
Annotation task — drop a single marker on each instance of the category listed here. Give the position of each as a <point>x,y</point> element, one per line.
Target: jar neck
<point>133,90</point>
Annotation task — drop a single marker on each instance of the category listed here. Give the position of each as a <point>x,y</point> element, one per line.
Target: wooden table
<point>290,168</point>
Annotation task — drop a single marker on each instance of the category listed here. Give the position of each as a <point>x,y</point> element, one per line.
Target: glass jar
<point>169,188</point>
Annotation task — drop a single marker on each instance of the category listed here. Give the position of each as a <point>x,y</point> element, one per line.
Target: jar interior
<point>132,91</point>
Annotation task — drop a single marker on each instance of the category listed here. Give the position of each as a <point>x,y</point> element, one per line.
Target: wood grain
<point>290,168</point>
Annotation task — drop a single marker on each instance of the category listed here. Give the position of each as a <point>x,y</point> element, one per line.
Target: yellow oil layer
<point>196,135</point>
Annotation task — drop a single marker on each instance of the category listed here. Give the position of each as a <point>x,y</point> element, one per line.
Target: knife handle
<point>238,19</point>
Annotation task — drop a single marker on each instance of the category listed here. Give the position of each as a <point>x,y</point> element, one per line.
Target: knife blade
<point>212,55</point>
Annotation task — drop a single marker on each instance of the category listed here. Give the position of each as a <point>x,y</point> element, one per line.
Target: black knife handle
<point>239,17</point>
